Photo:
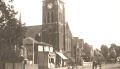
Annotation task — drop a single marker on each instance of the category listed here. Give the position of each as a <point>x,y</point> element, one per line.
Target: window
<point>52,17</point>
<point>52,60</point>
<point>48,17</point>
<point>49,60</point>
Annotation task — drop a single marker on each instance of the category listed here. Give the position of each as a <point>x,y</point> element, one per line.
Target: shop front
<point>61,59</point>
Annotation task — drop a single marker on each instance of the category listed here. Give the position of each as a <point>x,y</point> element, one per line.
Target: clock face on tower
<point>49,5</point>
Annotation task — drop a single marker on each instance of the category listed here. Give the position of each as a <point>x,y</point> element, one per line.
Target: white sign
<point>40,48</point>
<point>46,48</point>
<point>51,49</point>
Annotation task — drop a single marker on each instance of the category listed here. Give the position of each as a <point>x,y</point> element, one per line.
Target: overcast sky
<point>95,21</point>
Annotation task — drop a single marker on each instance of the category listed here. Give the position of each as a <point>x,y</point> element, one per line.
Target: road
<point>111,66</point>
<point>104,66</point>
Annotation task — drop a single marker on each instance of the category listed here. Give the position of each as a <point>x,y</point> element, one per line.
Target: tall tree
<point>12,32</point>
<point>112,51</point>
<point>117,49</point>
<point>87,50</point>
<point>98,56</point>
<point>104,51</point>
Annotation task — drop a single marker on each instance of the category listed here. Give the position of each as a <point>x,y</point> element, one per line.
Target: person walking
<point>94,64</point>
<point>99,63</point>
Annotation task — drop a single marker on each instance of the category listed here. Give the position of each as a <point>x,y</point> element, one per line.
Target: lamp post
<point>74,57</point>
<point>33,51</point>
<point>46,49</point>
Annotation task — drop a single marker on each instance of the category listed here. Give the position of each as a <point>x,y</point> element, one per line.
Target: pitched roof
<point>30,40</point>
<point>33,30</point>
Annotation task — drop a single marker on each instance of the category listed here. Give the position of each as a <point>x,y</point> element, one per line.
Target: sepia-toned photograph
<point>59,34</point>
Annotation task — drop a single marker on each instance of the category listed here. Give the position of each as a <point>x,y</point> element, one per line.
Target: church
<point>54,30</point>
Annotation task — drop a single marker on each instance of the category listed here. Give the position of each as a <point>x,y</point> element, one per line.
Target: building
<point>53,24</point>
<point>67,40</point>
<point>77,46</point>
<point>54,30</point>
<point>34,32</point>
<point>38,53</point>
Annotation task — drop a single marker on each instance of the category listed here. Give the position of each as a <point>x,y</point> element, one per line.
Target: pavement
<point>104,66</point>
<point>111,66</point>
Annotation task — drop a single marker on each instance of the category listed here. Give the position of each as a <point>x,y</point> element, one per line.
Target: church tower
<point>53,24</point>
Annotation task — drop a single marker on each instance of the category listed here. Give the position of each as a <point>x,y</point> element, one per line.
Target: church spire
<point>20,18</point>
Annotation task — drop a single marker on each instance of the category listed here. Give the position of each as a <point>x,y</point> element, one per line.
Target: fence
<point>60,68</point>
<point>20,66</point>
<point>87,63</point>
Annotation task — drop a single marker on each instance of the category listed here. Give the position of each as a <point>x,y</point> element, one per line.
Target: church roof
<point>30,40</point>
<point>33,30</point>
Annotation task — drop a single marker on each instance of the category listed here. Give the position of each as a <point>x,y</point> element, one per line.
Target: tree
<point>104,51</point>
<point>98,56</point>
<point>12,33</point>
<point>112,51</point>
<point>117,49</point>
<point>87,50</point>
<point>113,45</point>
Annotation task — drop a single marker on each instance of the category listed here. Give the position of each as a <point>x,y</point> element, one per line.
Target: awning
<point>61,55</point>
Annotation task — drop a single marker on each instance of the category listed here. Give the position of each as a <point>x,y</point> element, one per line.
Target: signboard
<point>51,49</point>
<point>46,48</point>
<point>40,48</point>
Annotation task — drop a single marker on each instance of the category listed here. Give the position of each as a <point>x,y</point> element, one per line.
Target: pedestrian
<point>94,65</point>
<point>99,63</point>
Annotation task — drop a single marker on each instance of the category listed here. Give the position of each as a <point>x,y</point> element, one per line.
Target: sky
<point>95,21</point>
